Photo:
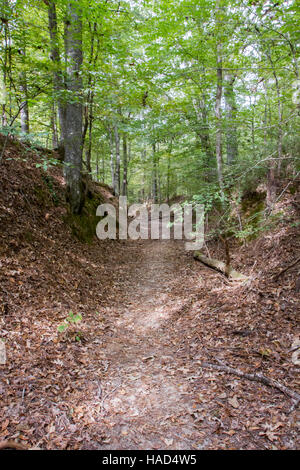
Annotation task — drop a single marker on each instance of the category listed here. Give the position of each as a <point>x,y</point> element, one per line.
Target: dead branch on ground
<point>276,276</point>
<point>257,377</point>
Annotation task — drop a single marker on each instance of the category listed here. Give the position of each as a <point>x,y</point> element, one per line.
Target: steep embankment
<point>150,316</point>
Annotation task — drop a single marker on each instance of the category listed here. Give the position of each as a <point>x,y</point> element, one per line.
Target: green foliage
<point>72,319</point>
<point>256,225</point>
<point>47,162</point>
<point>151,69</point>
<point>210,196</point>
<point>49,182</point>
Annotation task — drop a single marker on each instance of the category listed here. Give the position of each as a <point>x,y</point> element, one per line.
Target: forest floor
<point>151,315</point>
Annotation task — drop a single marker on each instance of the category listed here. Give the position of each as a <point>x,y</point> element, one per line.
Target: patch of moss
<point>28,236</point>
<point>83,226</point>
<point>252,209</point>
<point>42,196</point>
<point>48,180</point>
<point>293,189</point>
<point>251,198</point>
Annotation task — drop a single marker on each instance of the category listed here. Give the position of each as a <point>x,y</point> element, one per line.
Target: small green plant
<point>48,180</point>
<point>71,319</point>
<point>295,224</point>
<point>46,163</point>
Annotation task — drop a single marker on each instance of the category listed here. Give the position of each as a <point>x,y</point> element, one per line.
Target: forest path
<point>147,403</point>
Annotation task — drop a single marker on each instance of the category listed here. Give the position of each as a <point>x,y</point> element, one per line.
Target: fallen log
<point>220,266</point>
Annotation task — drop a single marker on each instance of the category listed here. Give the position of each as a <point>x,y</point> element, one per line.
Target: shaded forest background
<point>158,99</point>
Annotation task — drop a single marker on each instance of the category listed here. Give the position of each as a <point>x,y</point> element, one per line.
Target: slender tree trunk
<point>89,147</point>
<point>24,113</point>
<point>218,106</point>
<point>219,121</point>
<point>117,170</point>
<point>159,187</point>
<point>88,109</point>
<point>143,159</point>
<point>169,169</point>
<point>158,175</point>
<point>58,80</point>
<point>203,129</point>
<point>54,126</point>
<point>103,169</point>
<point>74,108</point>
<point>231,111</point>
<point>168,179</point>
<point>280,130</point>
<point>97,167</point>
<point>265,122</point>
<point>252,106</point>
<point>5,13</point>
<point>154,173</point>
<point>125,162</point>
<point>112,159</point>
<point>272,180</point>
<point>129,151</point>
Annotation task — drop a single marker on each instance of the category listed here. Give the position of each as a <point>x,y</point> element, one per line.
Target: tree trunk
<point>125,161</point>
<point>58,81</point>
<point>112,160</point>
<point>54,126</point>
<point>154,172</point>
<point>203,129</point>
<point>231,111</point>
<point>89,147</point>
<point>271,185</point>
<point>143,159</point>
<point>24,113</point>
<point>117,170</point>
<point>103,169</point>
<point>73,131</point>
<point>97,167</point>
<point>218,106</point>
<point>272,181</point>
<point>169,169</point>
<point>5,13</point>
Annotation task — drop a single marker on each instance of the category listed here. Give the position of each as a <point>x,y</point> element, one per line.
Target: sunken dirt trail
<point>151,316</point>
<point>173,313</point>
<point>146,403</point>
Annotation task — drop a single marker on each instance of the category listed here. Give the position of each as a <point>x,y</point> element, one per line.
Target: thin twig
<point>276,276</point>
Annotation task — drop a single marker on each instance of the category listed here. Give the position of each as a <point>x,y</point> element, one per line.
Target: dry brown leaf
<point>233,401</point>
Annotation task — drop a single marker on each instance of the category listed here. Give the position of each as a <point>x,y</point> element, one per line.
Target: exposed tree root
<point>257,378</point>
